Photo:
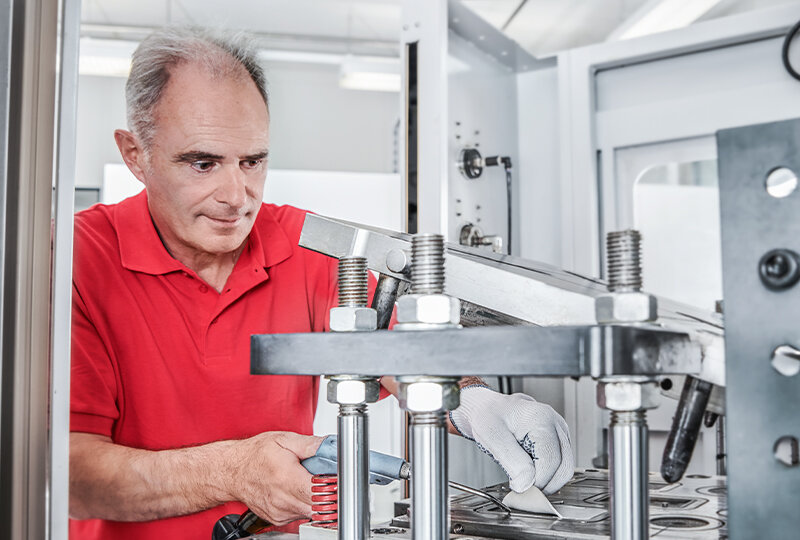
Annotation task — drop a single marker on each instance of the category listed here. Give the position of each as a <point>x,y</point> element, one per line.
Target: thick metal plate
<point>762,404</point>
<point>498,350</point>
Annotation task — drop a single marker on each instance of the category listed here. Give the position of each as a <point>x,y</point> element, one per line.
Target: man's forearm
<point>110,481</point>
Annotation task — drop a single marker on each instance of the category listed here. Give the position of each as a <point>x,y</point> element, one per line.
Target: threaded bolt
<point>623,251</point>
<point>353,282</point>
<point>427,264</point>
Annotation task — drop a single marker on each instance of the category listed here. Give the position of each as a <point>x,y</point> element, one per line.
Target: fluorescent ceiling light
<point>112,58</point>
<point>374,74</point>
<point>106,57</point>
<point>662,15</point>
<point>299,57</point>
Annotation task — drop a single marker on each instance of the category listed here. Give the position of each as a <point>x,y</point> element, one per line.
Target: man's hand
<point>528,439</point>
<point>269,478</point>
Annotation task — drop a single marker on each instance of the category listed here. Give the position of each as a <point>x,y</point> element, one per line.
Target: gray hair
<point>223,55</point>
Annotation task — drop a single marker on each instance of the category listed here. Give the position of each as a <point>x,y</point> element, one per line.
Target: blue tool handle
<point>383,468</point>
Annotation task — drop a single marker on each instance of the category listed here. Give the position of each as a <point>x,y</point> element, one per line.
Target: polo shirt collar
<point>268,240</point>
<point>141,249</point>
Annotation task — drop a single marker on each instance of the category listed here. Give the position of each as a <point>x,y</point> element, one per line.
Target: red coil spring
<point>325,501</point>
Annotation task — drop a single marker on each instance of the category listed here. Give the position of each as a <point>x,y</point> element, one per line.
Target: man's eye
<point>202,166</point>
<point>251,163</point>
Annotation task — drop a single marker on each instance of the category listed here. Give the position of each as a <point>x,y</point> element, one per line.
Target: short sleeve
<point>93,407</point>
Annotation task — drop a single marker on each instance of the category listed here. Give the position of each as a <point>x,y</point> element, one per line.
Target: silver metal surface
<point>482,494</point>
<point>29,41</point>
<point>628,482</point>
<point>761,403</point>
<point>595,351</point>
<point>429,507</point>
<point>61,318</point>
<point>353,470</point>
<point>694,509</point>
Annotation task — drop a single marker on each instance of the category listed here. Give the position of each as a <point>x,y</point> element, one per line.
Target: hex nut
<point>627,396</point>
<point>353,319</point>
<point>626,307</point>
<point>429,309</point>
<point>353,391</point>
<point>429,396</point>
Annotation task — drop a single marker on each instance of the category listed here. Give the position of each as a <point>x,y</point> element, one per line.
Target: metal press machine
<point>471,312</point>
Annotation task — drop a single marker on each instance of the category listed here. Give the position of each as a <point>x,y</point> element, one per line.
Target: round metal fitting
<point>345,390</point>
<point>626,307</point>
<point>779,269</point>
<point>437,309</point>
<point>470,163</point>
<point>786,360</point>
<point>428,394</point>
<point>397,261</point>
<point>626,396</point>
<point>353,319</point>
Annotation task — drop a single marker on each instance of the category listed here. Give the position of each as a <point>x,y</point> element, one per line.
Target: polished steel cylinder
<point>429,502</point>
<point>353,468</point>
<point>624,261</point>
<point>353,282</point>
<point>427,264</point>
<point>628,476</point>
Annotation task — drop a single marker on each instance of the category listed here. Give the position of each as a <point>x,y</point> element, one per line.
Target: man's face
<point>207,163</point>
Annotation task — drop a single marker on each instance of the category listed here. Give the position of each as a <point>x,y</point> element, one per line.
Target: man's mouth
<point>227,221</point>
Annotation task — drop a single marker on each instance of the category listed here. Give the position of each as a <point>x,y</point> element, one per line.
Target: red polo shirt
<point>161,360</point>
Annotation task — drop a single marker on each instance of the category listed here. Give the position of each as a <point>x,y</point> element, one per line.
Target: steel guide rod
<point>353,471</point>
<point>429,514</point>
<point>628,476</point>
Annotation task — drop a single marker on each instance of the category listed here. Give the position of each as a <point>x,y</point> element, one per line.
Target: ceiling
<point>372,27</point>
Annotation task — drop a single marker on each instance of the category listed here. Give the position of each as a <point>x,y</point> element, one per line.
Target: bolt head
<point>627,395</point>
<point>626,307</point>
<point>779,269</point>
<point>397,261</point>
<point>353,391</point>
<point>429,309</point>
<point>353,319</point>
<point>786,360</point>
<point>429,396</point>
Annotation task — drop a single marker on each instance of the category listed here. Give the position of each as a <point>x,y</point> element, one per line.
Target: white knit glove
<point>528,439</point>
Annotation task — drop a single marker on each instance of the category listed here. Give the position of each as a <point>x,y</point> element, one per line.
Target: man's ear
<point>132,153</point>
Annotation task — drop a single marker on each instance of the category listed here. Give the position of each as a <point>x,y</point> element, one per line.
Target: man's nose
<point>232,188</point>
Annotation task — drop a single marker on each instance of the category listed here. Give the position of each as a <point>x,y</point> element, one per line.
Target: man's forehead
<point>226,117</point>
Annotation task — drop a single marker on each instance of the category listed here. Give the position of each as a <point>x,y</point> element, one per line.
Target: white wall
<point>315,124</point>
<point>539,203</point>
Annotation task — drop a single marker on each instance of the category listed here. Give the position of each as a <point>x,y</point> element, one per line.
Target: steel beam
<point>596,351</point>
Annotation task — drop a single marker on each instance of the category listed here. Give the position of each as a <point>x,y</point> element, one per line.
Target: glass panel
<point>676,208</point>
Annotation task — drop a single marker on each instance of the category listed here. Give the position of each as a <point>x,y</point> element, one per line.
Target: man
<point>169,430</point>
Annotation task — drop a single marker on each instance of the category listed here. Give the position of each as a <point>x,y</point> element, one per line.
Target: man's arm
<point>110,481</point>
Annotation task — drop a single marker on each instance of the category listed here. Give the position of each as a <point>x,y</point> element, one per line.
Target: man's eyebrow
<point>196,155</point>
<point>258,155</point>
